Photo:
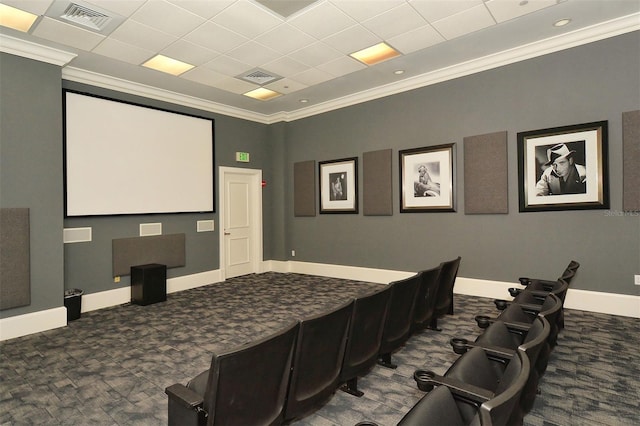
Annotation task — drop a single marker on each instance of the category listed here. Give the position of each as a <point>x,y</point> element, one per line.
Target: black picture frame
<point>427,179</point>
<point>338,182</point>
<point>564,168</point>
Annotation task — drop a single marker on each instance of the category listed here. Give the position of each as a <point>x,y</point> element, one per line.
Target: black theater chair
<point>364,337</point>
<point>547,285</point>
<point>426,299</point>
<point>540,288</point>
<point>247,385</point>
<point>503,338</point>
<point>317,363</point>
<point>526,314</point>
<point>444,302</point>
<point>397,326</point>
<point>477,392</point>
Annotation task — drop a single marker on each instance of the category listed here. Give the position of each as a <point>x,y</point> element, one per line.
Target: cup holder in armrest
<point>424,379</point>
<point>500,304</point>
<point>459,345</point>
<point>524,281</point>
<point>513,291</point>
<point>483,321</point>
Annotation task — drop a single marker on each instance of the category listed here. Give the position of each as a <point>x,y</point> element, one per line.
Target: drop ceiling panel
<point>216,38</point>
<point>227,65</point>
<point>123,51</point>
<point>204,75</point>
<point>121,7</point>
<point>286,86</point>
<point>352,39</point>
<point>234,85</point>
<point>70,35</point>
<point>190,53</point>
<point>322,20</point>
<point>286,66</point>
<point>435,10</point>
<point>417,39</point>
<point>503,10</point>
<point>395,21</point>
<point>315,54</point>
<point>361,10</point>
<point>247,18</point>
<point>342,66</point>
<point>466,22</point>
<point>312,77</point>
<point>253,53</point>
<point>285,39</point>
<point>143,36</point>
<point>205,9</point>
<point>168,18</point>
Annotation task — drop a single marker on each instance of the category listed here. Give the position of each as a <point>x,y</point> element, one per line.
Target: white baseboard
<point>33,322</point>
<point>584,300</point>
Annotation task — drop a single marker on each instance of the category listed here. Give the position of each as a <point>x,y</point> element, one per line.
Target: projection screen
<point>122,158</point>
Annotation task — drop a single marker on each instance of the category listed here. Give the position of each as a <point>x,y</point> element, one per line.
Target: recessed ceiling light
<point>168,65</point>
<point>262,94</point>
<point>374,54</point>
<point>304,101</point>
<point>561,22</point>
<point>398,72</point>
<point>17,19</point>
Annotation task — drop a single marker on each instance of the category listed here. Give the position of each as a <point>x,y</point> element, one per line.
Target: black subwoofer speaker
<point>148,284</point>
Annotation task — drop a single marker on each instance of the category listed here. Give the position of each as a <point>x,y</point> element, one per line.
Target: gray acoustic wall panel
<point>377,183</point>
<point>166,250</point>
<point>631,160</point>
<point>304,188</point>
<point>15,276</point>
<point>485,174</point>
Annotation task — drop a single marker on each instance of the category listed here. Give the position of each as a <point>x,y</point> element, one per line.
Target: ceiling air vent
<point>86,17</point>
<point>259,77</point>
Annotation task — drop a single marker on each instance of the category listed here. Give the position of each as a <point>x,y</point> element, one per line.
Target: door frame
<point>255,216</point>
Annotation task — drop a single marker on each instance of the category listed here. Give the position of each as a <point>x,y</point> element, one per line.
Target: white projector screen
<point>128,159</point>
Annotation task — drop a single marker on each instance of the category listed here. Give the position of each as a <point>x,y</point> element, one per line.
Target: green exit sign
<point>242,157</point>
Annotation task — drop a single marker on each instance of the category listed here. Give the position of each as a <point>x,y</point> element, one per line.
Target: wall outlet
<point>293,254</point>
<point>637,279</point>
<point>116,279</point>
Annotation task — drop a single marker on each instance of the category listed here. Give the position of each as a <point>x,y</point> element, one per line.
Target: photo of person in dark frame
<point>338,186</point>
<point>561,172</point>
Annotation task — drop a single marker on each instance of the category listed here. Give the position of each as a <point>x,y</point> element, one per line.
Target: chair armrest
<point>474,394</point>
<point>185,406</point>
<point>518,327</point>
<point>545,283</point>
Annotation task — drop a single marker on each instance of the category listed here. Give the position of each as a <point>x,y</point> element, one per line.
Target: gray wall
<point>31,169</point>
<point>584,84</point>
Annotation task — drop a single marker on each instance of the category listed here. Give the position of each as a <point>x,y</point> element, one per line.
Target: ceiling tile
<point>286,86</point>
<point>434,10</point>
<point>214,37</point>
<point>140,35</point>
<point>315,54</point>
<point>234,85</point>
<point>253,53</point>
<point>228,66</point>
<point>70,35</point>
<point>503,10</point>
<point>188,52</point>
<point>352,39</point>
<point>395,21</point>
<point>312,76</point>
<point>285,39</point>
<point>204,75</point>
<point>37,7</point>
<point>205,9</point>
<point>342,66</point>
<point>361,10</point>
<point>247,18</point>
<point>285,66</point>
<point>155,14</point>
<point>322,20</point>
<point>123,52</point>
<point>121,7</point>
<point>417,39</point>
<point>465,22</point>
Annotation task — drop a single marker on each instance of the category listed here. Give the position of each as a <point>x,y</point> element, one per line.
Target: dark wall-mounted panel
<point>486,188</point>
<point>304,188</point>
<point>15,276</point>
<point>377,186</point>
<point>631,160</point>
<point>164,249</point>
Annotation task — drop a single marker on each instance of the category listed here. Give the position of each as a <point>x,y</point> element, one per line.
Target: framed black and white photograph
<point>427,178</point>
<point>339,186</point>
<point>563,168</point>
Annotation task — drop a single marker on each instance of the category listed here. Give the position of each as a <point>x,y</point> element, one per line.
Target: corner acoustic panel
<point>377,183</point>
<point>304,188</point>
<point>631,160</point>
<point>486,186</point>
<point>15,275</point>
<point>167,250</point>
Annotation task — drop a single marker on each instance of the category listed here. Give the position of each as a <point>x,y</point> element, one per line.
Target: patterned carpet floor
<point>111,366</point>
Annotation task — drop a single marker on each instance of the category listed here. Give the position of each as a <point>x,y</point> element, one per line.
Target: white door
<point>241,209</point>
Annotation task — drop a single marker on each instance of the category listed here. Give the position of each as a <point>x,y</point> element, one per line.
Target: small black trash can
<point>73,303</point>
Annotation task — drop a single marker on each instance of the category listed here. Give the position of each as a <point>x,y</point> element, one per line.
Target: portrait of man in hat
<point>562,175</point>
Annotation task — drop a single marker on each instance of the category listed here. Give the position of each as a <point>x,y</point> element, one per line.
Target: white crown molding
<point>38,52</point>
